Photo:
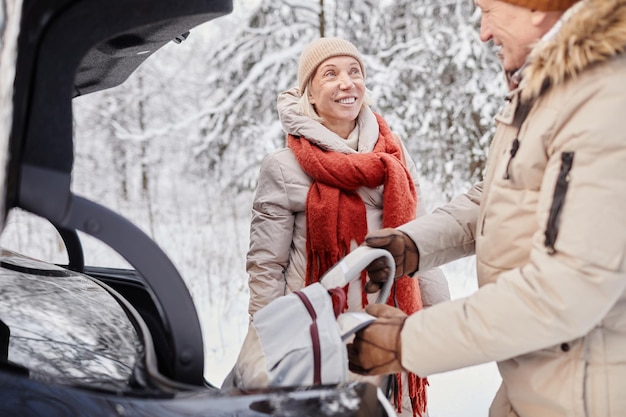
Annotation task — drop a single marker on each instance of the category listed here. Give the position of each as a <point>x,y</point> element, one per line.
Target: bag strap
<point>315,338</point>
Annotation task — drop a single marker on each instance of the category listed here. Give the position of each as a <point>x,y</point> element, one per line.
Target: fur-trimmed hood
<point>593,31</point>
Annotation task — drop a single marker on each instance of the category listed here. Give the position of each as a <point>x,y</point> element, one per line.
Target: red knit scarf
<point>335,216</point>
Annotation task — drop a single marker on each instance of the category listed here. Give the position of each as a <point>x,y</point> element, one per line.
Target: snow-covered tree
<point>437,86</point>
<point>434,82</point>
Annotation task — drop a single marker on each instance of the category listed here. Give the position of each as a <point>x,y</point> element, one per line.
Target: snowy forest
<point>177,147</point>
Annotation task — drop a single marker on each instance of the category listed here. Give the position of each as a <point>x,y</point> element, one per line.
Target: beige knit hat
<point>319,51</point>
<point>544,5</point>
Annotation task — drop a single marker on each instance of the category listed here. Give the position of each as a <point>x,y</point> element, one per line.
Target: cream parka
<point>548,227</point>
<point>276,260</point>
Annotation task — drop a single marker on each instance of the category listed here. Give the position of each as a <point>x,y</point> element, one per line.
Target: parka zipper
<point>560,190</point>
<point>520,116</point>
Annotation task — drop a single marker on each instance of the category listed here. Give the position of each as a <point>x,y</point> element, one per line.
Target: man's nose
<point>485,32</point>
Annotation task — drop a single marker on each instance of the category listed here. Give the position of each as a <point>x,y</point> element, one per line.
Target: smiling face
<point>513,28</point>
<point>337,91</point>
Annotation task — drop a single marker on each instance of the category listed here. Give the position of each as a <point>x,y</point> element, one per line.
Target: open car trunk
<point>73,47</point>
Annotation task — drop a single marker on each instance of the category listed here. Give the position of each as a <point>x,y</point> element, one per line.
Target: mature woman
<point>343,173</point>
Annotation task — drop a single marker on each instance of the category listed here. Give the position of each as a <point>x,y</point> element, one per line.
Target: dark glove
<point>377,349</point>
<point>401,247</point>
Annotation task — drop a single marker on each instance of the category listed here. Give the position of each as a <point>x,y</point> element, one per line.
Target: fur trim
<point>594,33</point>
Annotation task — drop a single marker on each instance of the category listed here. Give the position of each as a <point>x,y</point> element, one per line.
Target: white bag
<point>297,339</point>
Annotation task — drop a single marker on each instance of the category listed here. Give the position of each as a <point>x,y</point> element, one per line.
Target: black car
<point>83,341</point>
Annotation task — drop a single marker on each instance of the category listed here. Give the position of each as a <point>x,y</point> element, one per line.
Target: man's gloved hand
<point>377,349</point>
<point>401,247</point>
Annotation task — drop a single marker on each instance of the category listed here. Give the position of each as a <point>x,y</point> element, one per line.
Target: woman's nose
<point>345,81</point>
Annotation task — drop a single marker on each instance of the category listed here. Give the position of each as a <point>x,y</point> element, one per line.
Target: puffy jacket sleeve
<point>271,231</point>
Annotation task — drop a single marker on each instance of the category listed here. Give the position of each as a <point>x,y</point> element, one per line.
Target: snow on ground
<point>465,392</point>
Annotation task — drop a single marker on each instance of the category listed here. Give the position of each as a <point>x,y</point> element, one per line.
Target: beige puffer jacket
<point>549,231</point>
<point>276,260</point>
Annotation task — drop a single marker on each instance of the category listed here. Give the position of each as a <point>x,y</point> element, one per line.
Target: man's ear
<point>537,17</point>
<point>543,19</point>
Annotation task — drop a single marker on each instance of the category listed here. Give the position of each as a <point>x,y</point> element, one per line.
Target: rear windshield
<point>63,327</point>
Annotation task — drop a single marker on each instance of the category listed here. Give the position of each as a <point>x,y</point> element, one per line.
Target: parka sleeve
<point>271,232</point>
<point>574,280</point>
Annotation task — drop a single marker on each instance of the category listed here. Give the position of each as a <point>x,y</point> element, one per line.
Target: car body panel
<point>25,397</point>
<point>64,327</point>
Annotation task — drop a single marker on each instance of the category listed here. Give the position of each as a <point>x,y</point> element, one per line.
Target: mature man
<point>547,225</point>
